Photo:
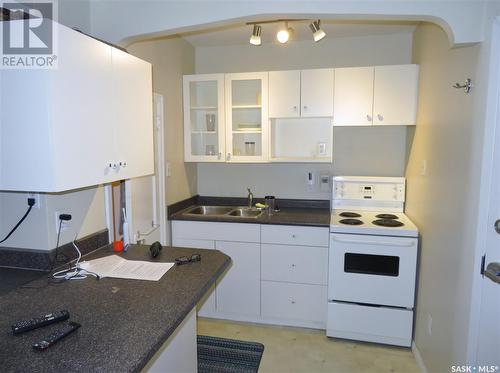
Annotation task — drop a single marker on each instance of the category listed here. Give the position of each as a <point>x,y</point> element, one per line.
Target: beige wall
<point>39,230</point>
<point>379,151</point>
<point>439,202</point>
<point>171,59</point>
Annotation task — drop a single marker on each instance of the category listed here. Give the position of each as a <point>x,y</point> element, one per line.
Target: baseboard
<point>418,358</point>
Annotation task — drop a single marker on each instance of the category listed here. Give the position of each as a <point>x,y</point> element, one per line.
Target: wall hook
<point>467,86</point>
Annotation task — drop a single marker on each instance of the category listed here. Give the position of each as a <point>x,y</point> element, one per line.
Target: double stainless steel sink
<point>224,211</point>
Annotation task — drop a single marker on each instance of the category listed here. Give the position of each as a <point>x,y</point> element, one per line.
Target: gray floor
<point>307,350</point>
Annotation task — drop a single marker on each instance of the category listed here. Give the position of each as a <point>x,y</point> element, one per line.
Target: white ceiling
<point>240,33</point>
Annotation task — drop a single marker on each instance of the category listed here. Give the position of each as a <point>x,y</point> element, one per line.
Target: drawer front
<point>372,324</point>
<point>295,235</point>
<point>201,230</point>
<point>299,264</point>
<point>194,244</point>
<point>299,302</point>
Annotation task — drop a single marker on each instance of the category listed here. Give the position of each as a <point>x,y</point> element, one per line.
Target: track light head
<point>318,33</point>
<point>255,39</point>
<point>284,34</point>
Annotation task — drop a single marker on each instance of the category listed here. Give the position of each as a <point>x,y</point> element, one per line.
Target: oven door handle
<point>384,243</point>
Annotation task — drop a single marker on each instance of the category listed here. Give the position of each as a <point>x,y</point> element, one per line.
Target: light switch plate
<point>324,182</point>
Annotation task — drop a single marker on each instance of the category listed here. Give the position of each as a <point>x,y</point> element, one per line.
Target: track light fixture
<point>285,32</point>
<point>318,33</point>
<point>255,39</point>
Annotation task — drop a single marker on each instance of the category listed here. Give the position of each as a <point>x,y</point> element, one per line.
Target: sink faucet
<point>250,198</point>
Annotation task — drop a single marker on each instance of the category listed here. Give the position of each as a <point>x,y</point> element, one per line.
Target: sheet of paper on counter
<point>118,267</point>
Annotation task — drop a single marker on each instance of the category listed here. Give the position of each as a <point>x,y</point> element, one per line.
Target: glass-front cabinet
<point>247,124</point>
<point>204,118</point>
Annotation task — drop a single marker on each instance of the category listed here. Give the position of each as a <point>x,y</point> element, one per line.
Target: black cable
<point>18,224</point>
<point>57,245</point>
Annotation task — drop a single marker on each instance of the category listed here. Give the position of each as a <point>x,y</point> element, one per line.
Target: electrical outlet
<point>429,325</point>
<point>324,182</point>
<point>36,197</point>
<point>169,169</point>
<point>65,224</point>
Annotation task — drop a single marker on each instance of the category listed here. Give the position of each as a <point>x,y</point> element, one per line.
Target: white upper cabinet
<point>381,95</point>
<point>247,123</point>
<point>204,130</point>
<point>395,95</point>
<point>353,95</point>
<point>70,127</point>
<point>306,93</point>
<point>284,94</point>
<point>316,92</point>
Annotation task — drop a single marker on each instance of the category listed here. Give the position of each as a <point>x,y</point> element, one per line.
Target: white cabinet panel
<point>395,95</point>
<point>80,117</point>
<point>372,324</point>
<point>295,235</point>
<point>299,264</point>
<point>133,108</point>
<point>316,93</point>
<point>294,302</point>
<point>247,120</point>
<point>353,96</point>
<point>203,230</point>
<point>284,94</point>
<point>204,125</point>
<point>238,291</point>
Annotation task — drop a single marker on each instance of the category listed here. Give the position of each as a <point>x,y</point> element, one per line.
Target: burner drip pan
<point>388,223</point>
<point>351,221</point>
<point>386,216</point>
<point>348,214</point>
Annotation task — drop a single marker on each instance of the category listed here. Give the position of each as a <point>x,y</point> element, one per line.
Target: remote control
<point>56,336</point>
<point>38,322</point>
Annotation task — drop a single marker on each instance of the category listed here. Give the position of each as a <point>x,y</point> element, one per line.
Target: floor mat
<point>223,355</point>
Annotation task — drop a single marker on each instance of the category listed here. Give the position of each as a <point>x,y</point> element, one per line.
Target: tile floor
<point>306,350</point>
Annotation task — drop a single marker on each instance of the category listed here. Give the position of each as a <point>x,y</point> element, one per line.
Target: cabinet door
<point>284,94</point>
<point>133,119</point>
<point>247,124</point>
<point>204,118</point>
<point>395,95</point>
<point>317,93</point>
<point>238,290</point>
<point>81,112</point>
<point>353,96</point>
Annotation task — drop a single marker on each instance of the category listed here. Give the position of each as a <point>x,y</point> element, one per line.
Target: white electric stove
<point>372,261</point>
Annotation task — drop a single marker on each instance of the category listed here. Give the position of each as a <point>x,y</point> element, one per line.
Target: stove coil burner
<point>388,223</point>
<point>386,216</point>
<point>348,214</point>
<point>351,221</point>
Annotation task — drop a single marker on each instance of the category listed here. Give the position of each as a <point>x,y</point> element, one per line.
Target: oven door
<point>376,270</point>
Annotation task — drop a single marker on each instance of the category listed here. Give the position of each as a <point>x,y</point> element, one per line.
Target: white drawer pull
<point>293,266</point>
<point>292,301</point>
<point>294,236</point>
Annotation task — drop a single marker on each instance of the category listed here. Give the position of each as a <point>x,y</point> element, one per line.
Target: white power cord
<point>74,272</point>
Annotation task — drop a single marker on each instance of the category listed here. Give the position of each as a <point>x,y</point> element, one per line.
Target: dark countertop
<point>124,322</point>
<point>286,216</point>
<point>12,278</point>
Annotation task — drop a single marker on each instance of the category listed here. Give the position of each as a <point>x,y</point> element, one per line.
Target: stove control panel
<point>383,189</point>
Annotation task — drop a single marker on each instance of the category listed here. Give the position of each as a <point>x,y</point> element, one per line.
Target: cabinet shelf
<point>247,106</point>
<point>245,131</point>
<point>203,107</point>
<point>204,132</point>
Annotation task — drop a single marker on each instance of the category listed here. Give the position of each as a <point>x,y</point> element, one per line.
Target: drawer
<point>294,302</point>
<point>194,244</point>
<point>371,324</point>
<point>201,230</point>
<point>295,235</point>
<point>300,264</point>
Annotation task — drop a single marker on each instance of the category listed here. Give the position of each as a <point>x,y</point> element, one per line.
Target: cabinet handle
<point>219,156</point>
<point>295,108</point>
<point>380,117</point>
<point>228,156</point>
<point>369,117</point>
<point>293,265</point>
<point>305,107</point>
<point>294,236</point>
<point>123,164</point>
<point>292,301</point>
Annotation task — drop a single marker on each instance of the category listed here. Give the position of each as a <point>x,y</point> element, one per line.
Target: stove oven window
<point>380,265</point>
